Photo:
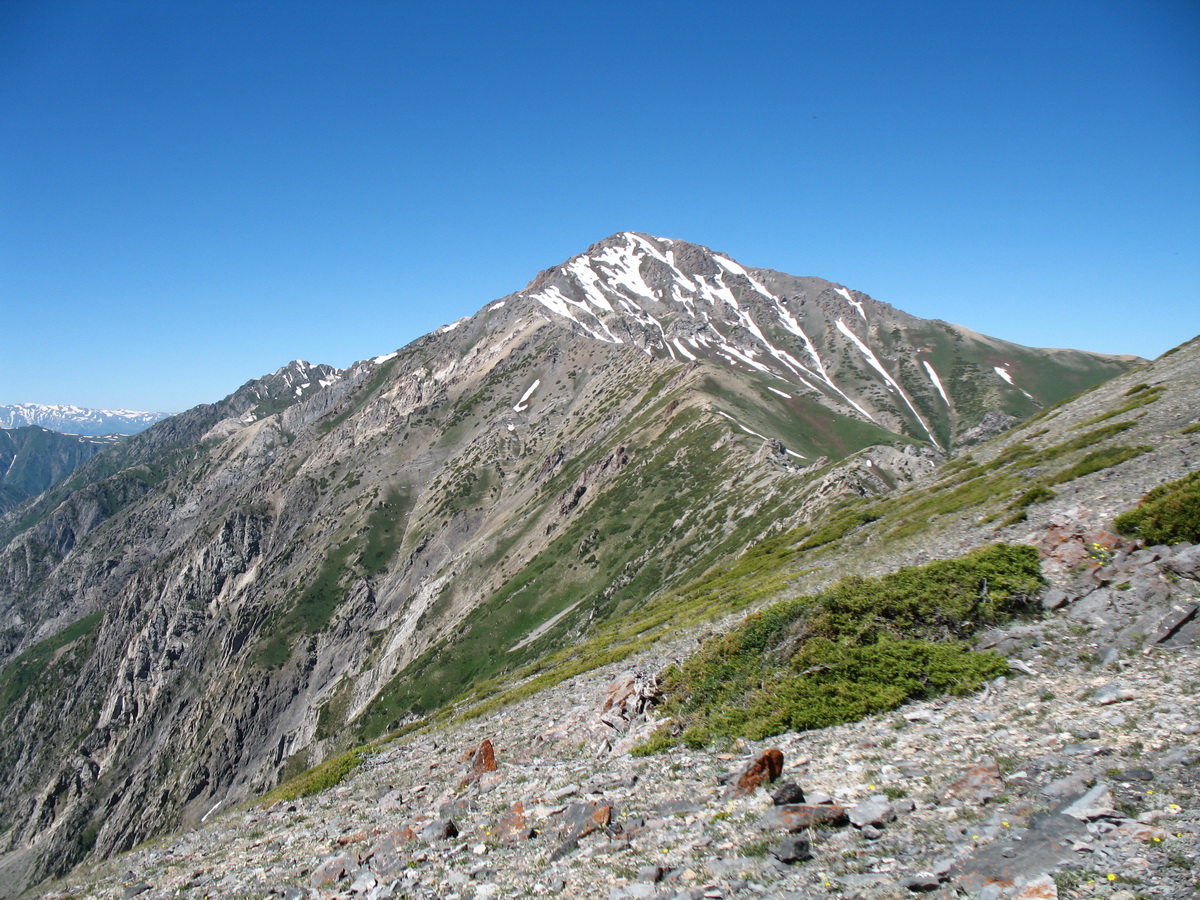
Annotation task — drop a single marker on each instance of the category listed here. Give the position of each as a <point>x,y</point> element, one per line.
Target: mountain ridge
<point>68,419</point>
<point>328,554</point>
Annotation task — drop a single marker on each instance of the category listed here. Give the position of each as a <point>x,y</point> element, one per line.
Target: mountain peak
<point>803,336</point>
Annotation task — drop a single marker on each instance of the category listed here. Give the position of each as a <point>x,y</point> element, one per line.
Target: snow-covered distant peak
<point>70,419</point>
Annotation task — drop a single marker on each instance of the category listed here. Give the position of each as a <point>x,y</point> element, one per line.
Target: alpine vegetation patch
<point>863,646</point>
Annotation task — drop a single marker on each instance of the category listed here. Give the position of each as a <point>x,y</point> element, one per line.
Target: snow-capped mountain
<point>805,338</point>
<point>77,419</point>
<point>324,555</point>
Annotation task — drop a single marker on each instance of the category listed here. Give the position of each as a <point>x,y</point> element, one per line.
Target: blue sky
<point>192,195</point>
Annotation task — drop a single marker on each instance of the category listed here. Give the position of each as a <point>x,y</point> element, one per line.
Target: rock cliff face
<point>234,594</point>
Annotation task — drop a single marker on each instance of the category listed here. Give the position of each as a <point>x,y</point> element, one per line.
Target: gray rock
<point>793,849</point>
<point>1067,786</point>
<point>787,792</point>
<point>921,883</point>
<point>1136,774</point>
<point>872,812</point>
<point>1047,843</point>
<point>1172,622</point>
<point>439,829</point>
<point>1185,561</point>
<point>1055,599</point>
<point>652,874</point>
<point>1113,693</point>
<point>1096,803</point>
<point>942,866</point>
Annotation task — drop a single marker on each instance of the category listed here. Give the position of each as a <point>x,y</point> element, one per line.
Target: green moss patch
<point>1140,395</point>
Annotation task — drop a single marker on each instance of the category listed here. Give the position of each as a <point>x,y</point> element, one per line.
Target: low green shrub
<point>1141,395</point>
<point>1101,459</point>
<point>861,647</point>
<point>330,773</point>
<point>1036,494</point>
<point>1168,514</point>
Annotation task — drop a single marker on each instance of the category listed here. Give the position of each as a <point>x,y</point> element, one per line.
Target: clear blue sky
<point>193,194</point>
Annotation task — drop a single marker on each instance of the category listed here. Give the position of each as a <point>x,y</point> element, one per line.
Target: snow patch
<point>937,382</point>
<point>683,350</point>
<point>780,393</point>
<point>752,432</point>
<point>543,628</point>
<point>521,404</point>
<point>1003,373</point>
<point>857,304</point>
<point>891,382</point>
<point>738,270</point>
<point>557,302</point>
<point>741,426</point>
<point>380,360</point>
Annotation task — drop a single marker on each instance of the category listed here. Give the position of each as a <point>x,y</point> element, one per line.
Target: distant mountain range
<point>77,419</point>
<point>236,593</point>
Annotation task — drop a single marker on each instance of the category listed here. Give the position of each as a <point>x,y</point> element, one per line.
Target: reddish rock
<point>581,819</point>
<point>1040,888</point>
<point>333,869</point>
<point>1141,832</point>
<point>483,760</point>
<point>766,768</point>
<point>799,816</point>
<point>513,826</point>
<point>619,692</point>
<point>1068,543</point>
<point>978,784</point>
